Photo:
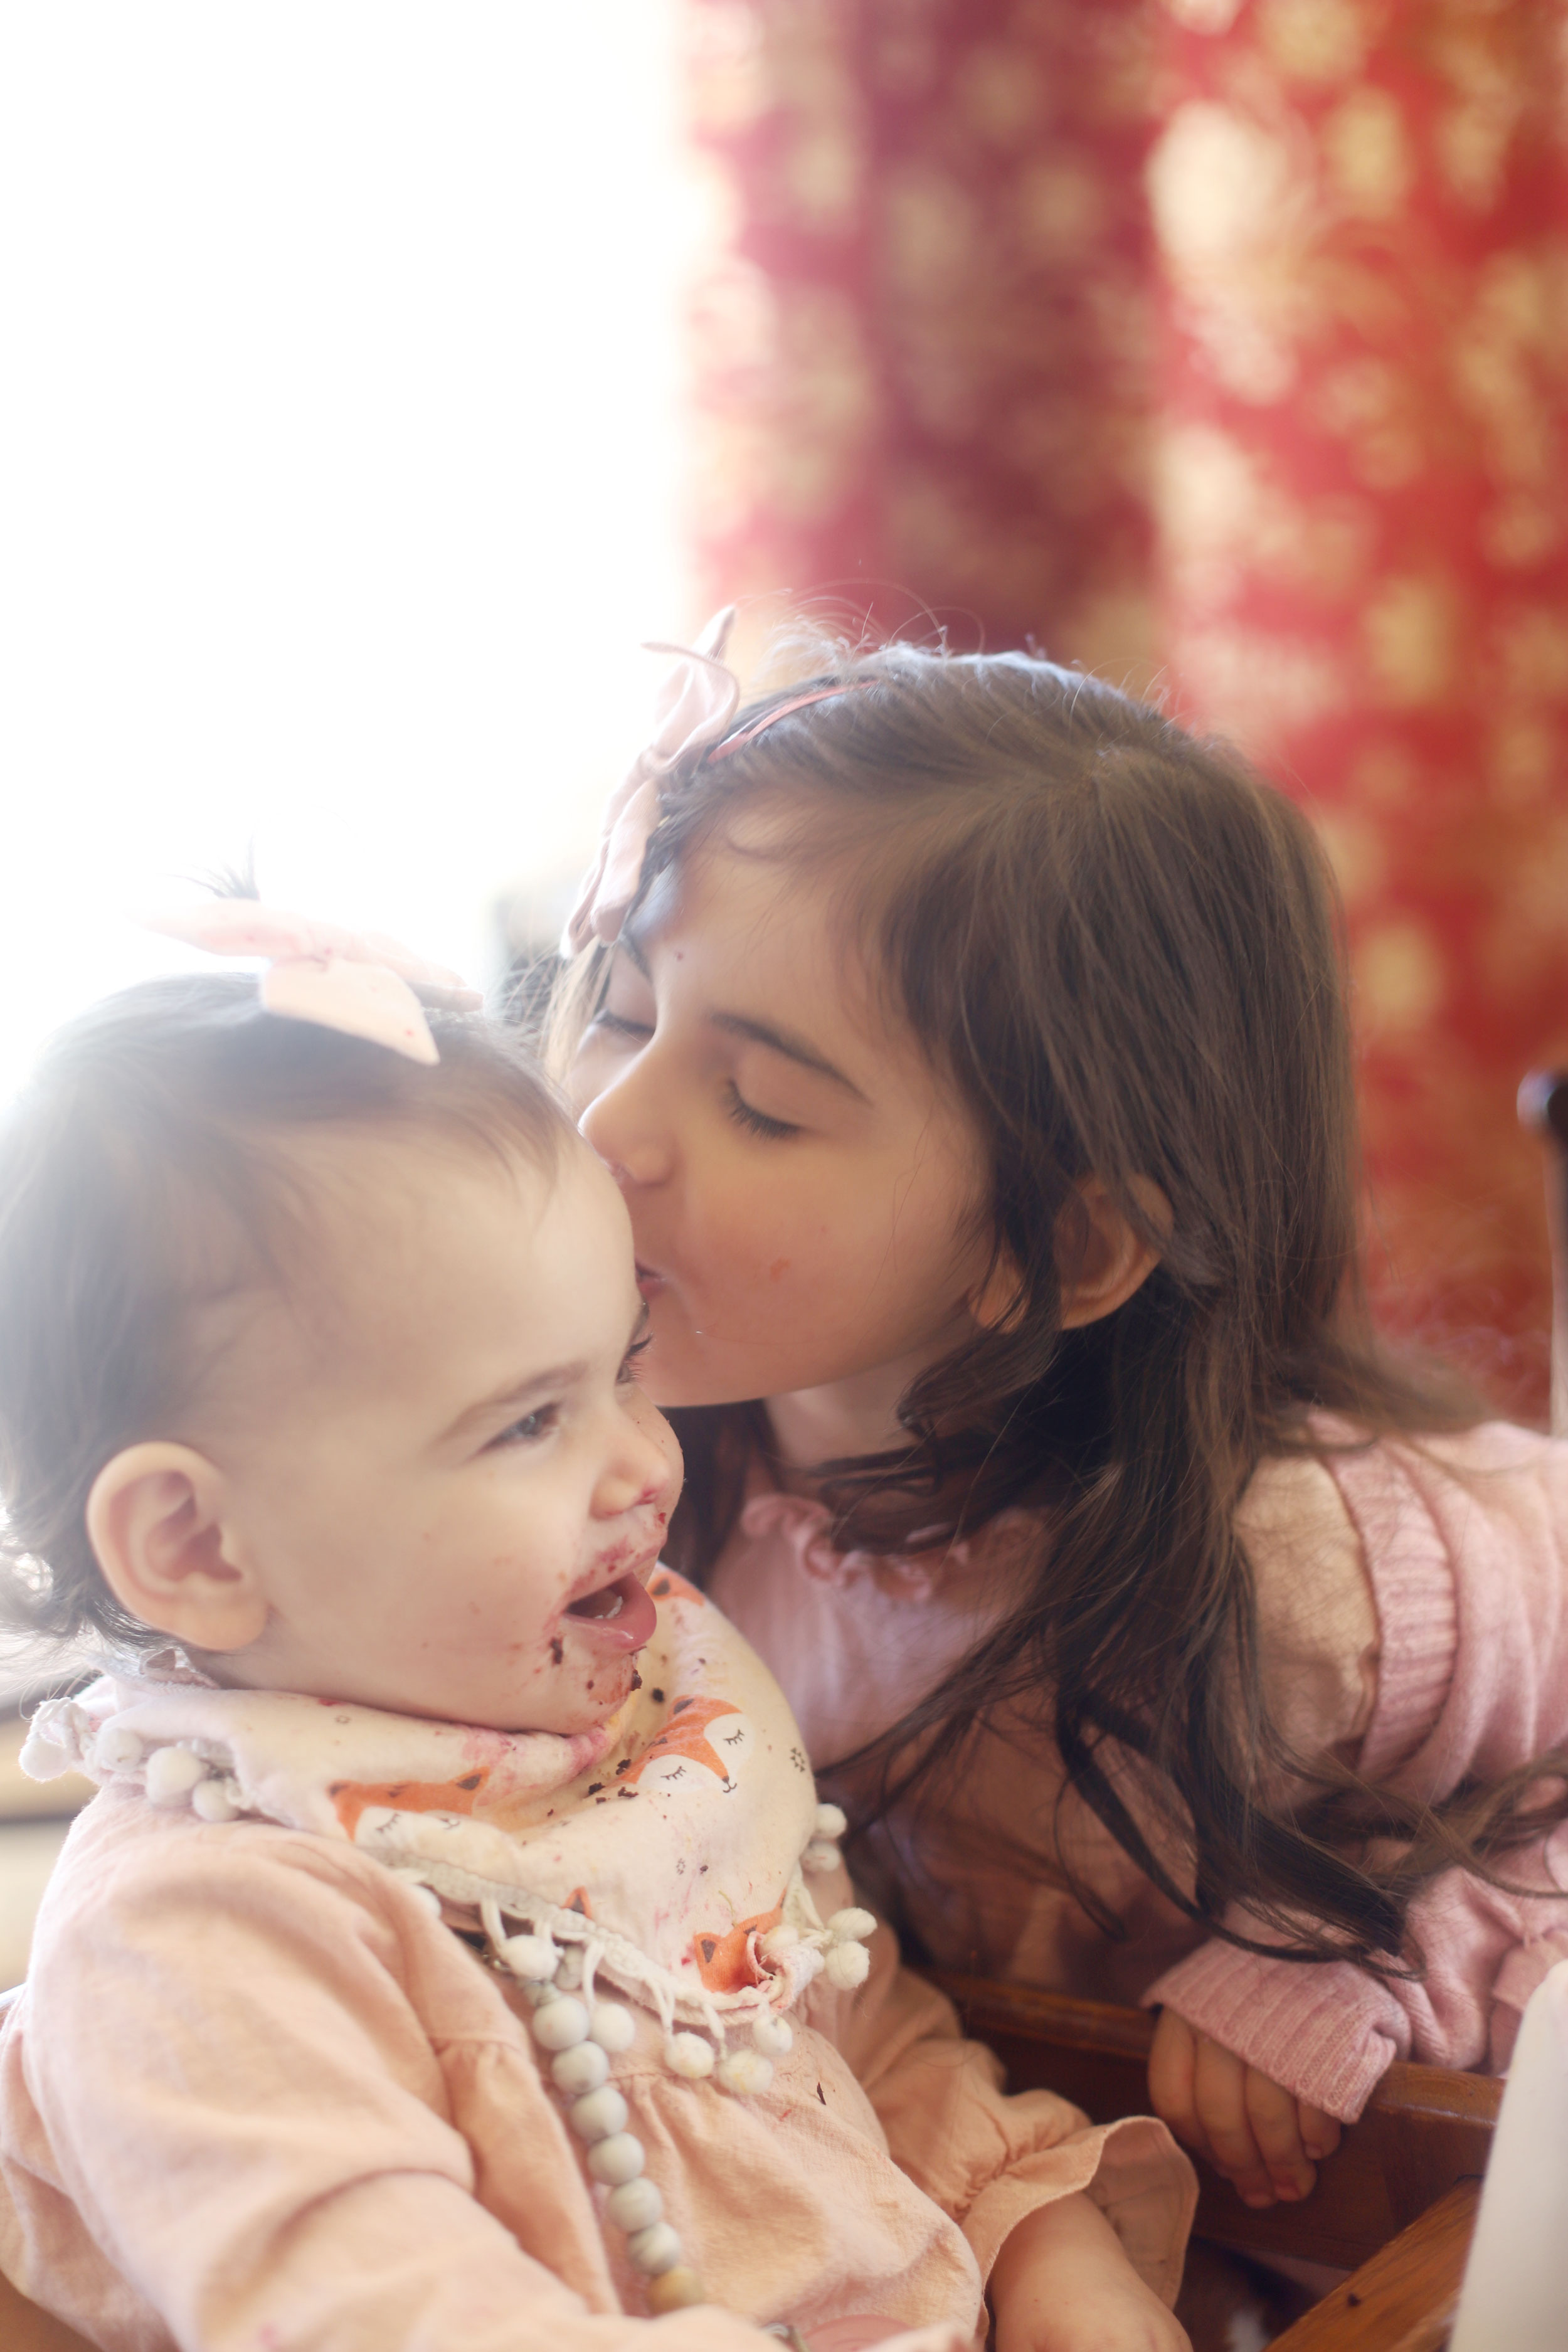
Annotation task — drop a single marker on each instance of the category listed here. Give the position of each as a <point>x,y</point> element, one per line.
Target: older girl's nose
<point>635,1145</point>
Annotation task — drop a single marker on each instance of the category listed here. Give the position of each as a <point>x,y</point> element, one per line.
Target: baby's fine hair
<point>145,1173</point>
<point>1124,952</point>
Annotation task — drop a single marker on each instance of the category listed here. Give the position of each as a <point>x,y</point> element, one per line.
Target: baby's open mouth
<point>621,1614</point>
<point>608,1602</point>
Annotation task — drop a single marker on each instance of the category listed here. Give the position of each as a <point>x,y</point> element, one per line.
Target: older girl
<point>970,1045</point>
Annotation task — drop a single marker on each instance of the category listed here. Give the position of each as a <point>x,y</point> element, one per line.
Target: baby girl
<point>457,1953</point>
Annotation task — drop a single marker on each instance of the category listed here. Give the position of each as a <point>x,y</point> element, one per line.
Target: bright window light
<point>336,458</point>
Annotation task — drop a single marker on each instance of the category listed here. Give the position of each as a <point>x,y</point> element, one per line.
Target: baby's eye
<point>529,1428</point>
<point>629,1372</point>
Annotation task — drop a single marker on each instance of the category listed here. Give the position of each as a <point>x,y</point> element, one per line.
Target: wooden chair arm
<point>1405,2299</point>
<point>1423,2130</point>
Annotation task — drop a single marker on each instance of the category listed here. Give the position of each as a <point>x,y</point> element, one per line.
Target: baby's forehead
<point>385,1255</point>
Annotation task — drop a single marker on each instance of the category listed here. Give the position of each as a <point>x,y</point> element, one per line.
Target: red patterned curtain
<point>1219,344</point>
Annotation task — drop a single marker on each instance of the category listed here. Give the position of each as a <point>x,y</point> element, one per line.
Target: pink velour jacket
<point>1413,1606</point>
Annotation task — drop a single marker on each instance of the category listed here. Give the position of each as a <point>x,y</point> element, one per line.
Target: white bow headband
<point>695,708</point>
<point>355,982</point>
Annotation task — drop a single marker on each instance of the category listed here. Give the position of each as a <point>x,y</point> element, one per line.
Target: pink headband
<point>355,982</point>
<point>695,707</point>
<point>782,710</point>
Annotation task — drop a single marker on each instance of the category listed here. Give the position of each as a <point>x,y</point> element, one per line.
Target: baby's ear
<point>159,1518</point>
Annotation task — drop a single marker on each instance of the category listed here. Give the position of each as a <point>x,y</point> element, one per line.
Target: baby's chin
<point>593,1724</point>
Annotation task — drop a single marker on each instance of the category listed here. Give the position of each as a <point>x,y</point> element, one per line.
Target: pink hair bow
<point>695,705</point>
<point>356,981</point>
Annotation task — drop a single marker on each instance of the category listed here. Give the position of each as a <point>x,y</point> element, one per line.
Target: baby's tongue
<point>620,1614</point>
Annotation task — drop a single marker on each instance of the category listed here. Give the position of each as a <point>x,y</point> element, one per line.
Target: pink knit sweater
<point>1413,1619</point>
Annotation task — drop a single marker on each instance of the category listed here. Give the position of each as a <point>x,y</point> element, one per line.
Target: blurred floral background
<point>1219,346</point>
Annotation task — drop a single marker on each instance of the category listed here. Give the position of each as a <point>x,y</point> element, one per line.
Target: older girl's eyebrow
<point>785,1042</point>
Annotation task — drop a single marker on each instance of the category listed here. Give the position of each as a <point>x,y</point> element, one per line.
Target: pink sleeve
<point>1328,2033</point>
<point>1464,1543</point>
<point>989,2159</point>
<point>253,2126</point>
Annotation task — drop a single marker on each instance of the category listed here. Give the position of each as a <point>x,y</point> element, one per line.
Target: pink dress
<point>1412,1620</point>
<point>260,2090</point>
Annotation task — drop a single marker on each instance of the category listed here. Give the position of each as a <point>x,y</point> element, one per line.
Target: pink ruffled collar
<point>804,1524</point>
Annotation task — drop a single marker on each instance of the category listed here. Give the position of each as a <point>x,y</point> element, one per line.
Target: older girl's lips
<point>619,1616</point>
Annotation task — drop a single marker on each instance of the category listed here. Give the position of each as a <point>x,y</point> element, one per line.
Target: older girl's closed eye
<point>970,1047</point>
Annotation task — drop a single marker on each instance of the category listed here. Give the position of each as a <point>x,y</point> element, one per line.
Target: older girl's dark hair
<point>144,1172</point>
<point>1124,951</point>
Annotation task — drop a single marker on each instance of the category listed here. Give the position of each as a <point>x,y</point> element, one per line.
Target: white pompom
<point>612,2026</point>
<point>654,2250</point>
<point>532,1958</point>
<point>780,1941</point>
<point>560,2024</point>
<point>831,1821</point>
<point>746,2072</point>
<point>851,1926</point>
<point>688,2054</point>
<point>172,1774</point>
<point>601,2116</point>
<point>43,1758</point>
<point>774,2036</point>
<point>117,1749</point>
<point>636,2205</point>
<point>213,1801</point>
<point>847,1965</point>
<point>579,2069</point>
<point>819,1856</point>
<point>618,2160</point>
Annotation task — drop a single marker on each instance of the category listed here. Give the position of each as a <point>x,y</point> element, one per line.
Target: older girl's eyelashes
<point>620,1024</point>
<point>745,1114</point>
<point>629,1372</point>
<point>754,1122</point>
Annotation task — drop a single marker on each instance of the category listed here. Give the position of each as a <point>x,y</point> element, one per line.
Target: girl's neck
<point>840,1422</point>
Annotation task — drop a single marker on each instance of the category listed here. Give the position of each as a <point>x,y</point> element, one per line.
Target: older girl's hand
<point>1267,2142</point>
